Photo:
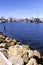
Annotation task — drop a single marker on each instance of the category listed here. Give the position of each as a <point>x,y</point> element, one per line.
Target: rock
<point>2,36</point>
<point>7,45</point>
<point>26,47</point>
<point>36,53</point>
<point>16,60</point>
<point>14,40</point>
<point>18,43</point>
<point>14,50</point>
<point>12,43</point>
<point>2,41</point>
<point>5,52</point>
<point>32,61</point>
<point>25,57</point>
<point>2,45</point>
<point>7,39</point>
<point>4,60</point>
<point>30,53</point>
<point>27,54</point>
<point>21,50</point>
<point>17,50</point>
<point>2,49</point>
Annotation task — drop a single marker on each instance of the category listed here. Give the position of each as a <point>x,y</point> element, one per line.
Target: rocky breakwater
<point>17,53</point>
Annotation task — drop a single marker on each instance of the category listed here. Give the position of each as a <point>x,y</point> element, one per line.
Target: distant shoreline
<point>19,21</point>
<point>32,20</point>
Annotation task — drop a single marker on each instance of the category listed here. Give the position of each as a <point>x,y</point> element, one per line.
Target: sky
<point>21,8</point>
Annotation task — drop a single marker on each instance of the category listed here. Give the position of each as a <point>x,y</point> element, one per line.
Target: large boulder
<point>2,45</point>
<point>7,39</point>
<point>16,60</point>
<point>27,54</point>
<point>21,50</point>
<point>36,53</point>
<point>12,43</point>
<point>4,60</point>
<point>17,50</point>
<point>25,57</point>
<point>30,52</point>
<point>32,61</point>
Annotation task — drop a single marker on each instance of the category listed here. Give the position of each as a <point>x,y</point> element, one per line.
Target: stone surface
<point>7,39</point>
<point>16,60</point>
<point>5,52</point>
<point>2,45</point>
<point>17,50</point>
<point>32,61</point>
<point>4,60</point>
<point>26,47</point>
<point>12,43</point>
<point>21,50</point>
<point>36,53</point>
<point>14,40</point>
<point>25,57</point>
<point>30,52</point>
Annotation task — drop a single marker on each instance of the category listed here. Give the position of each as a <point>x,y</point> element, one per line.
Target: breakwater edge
<point>18,53</point>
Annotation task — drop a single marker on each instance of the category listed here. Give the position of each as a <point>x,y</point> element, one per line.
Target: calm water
<point>28,33</point>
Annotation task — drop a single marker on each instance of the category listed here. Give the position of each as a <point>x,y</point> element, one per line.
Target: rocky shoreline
<point>19,54</point>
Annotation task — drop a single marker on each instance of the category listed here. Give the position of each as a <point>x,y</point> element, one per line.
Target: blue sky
<point>21,8</point>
